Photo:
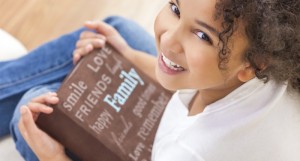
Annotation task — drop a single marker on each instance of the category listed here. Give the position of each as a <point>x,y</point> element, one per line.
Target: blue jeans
<point>44,68</point>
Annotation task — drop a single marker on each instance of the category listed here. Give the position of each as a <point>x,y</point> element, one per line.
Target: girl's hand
<point>90,40</point>
<point>45,147</point>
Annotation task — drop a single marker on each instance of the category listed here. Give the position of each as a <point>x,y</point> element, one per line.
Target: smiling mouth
<point>171,64</point>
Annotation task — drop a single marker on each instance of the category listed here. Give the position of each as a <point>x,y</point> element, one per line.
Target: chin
<point>159,79</point>
<point>167,85</point>
<point>163,82</point>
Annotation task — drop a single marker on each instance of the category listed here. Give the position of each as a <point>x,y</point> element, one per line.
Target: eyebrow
<point>203,24</point>
<point>208,27</point>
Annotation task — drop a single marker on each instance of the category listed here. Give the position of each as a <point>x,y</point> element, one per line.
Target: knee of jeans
<point>21,145</point>
<point>14,130</point>
<point>122,24</point>
<point>113,20</point>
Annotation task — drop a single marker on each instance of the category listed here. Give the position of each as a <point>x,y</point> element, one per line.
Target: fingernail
<point>23,110</point>
<point>53,93</point>
<point>100,41</point>
<point>54,98</point>
<point>76,58</point>
<point>89,47</point>
<point>89,22</point>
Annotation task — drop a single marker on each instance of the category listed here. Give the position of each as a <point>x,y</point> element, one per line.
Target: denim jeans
<point>44,68</point>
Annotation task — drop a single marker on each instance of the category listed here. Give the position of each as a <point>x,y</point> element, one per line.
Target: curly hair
<point>273,30</point>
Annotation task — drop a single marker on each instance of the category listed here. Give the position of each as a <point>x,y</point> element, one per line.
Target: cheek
<point>204,65</point>
<point>162,22</point>
<point>202,59</point>
<point>158,24</point>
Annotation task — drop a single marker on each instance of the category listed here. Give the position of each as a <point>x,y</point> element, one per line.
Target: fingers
<point>101,27</point>
<point>88,37</point>
<point>45,147</point>
<point>27,125</point>
<point>91,40</point>
<point>87,42</point>
<point>37,108</point>
<point>89,34</point>
<point>48,98</point>
<point>40,104</point>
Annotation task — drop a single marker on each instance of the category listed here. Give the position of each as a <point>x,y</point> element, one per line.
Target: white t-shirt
<point>256,122</point>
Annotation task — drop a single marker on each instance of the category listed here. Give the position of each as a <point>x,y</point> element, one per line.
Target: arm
<point>90,40</point>
<point>143,61</point>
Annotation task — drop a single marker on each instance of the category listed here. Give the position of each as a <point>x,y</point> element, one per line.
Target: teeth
<point>171,64</point>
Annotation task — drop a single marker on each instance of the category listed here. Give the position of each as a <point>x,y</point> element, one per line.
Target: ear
<point>247,73</point>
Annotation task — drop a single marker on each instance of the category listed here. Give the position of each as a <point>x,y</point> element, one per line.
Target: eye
<point>203,36</point>
<point>174,8</point>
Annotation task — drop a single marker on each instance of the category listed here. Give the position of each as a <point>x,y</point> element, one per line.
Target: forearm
<point>145,62</point>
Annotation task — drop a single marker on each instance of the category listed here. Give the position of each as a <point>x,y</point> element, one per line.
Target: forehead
<point>203,10</point>
<point>198,7</point>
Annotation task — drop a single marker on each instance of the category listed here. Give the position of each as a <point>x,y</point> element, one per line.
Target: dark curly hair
<point>273,30</point>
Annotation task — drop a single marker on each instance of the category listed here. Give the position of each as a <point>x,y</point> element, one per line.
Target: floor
<point>34,22</point>
<point>8,151</point>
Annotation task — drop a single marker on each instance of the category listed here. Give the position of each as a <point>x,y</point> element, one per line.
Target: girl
<point>234,65</point>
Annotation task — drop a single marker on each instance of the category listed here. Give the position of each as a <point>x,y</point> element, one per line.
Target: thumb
<point>101,27</point>
<point>28,122</point>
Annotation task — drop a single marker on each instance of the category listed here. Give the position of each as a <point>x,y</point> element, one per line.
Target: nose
<point>172,40</point>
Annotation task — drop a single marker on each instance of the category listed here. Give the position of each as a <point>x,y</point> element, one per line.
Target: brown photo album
<point>108,110</point>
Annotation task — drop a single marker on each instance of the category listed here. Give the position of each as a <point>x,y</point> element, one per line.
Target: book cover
<point>108,110</point>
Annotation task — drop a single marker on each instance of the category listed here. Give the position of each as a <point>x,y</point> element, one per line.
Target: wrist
<point>58,157</point>
<point>130,54</point>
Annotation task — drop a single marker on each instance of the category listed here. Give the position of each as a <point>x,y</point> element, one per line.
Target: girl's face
<point>187,42</point>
